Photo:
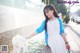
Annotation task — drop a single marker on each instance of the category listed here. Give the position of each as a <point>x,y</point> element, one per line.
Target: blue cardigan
<point>42,28</point>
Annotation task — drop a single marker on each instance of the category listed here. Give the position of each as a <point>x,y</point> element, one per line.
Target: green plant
<point>66,19</point>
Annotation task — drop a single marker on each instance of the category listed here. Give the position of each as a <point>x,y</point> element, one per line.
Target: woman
<point>54,31</point>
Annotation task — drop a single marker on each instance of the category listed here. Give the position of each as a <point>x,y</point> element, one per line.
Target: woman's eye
<point>46,12</point>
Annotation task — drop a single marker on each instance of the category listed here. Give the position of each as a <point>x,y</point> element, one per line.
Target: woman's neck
<point>53,18</point>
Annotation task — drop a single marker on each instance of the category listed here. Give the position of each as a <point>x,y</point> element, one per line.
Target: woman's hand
<point>68,46</point>
<point>27,37</point>
<point>31,35</point>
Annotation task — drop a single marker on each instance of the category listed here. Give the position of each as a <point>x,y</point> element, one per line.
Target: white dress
<point>55,40</point>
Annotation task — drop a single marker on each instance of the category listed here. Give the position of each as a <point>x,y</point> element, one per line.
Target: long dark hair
<point>49,7</point>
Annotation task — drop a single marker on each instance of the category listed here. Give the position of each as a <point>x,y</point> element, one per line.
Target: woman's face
<point>49,13</point>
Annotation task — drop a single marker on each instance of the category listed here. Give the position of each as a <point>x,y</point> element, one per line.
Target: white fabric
<point>55,40</point>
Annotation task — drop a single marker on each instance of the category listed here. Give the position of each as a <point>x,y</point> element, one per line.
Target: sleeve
<point>61,27</point>
<point>41,28</point>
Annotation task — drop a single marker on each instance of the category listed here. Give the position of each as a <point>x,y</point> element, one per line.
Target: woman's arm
<point>31,35</point>
<point>64,37</point>
<point>62,30</point>
<point>63,34</point>
<point>67,45</point>
<point>38,30</point>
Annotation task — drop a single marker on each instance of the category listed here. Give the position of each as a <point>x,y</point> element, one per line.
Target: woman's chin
<point>49,17</point>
